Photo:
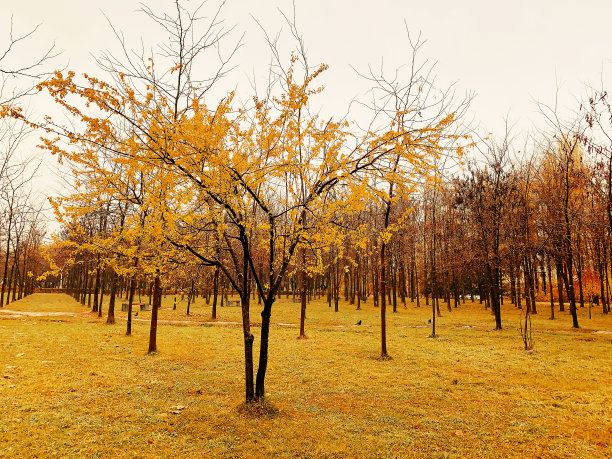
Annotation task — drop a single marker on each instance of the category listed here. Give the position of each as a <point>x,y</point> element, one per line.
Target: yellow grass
<point>75,387</point>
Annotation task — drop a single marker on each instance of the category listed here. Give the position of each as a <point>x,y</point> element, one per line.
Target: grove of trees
<point>262,196</point>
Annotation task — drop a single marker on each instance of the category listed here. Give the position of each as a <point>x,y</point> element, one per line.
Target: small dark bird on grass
<point>358,323</point>
<point>136,315</point>
<point>429,321</point>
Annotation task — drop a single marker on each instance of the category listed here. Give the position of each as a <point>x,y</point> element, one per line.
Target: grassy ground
<point>72,386</point>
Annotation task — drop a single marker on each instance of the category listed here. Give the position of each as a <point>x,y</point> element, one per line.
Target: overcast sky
<point>508,53</point>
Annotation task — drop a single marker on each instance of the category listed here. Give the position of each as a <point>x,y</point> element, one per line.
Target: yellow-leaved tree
<point>241,188</point>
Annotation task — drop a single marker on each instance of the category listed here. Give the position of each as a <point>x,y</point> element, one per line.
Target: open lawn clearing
<point>73,386</point>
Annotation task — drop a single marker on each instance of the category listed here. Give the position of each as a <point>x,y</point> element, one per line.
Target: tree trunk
<point>97,288</point>
<point>6,259</point>
<point>215,292</point>
<point>154,312</point>
<point>559,266</point>
<point>303,293</point>
<point>579,268</point>
<point>394,288</point>
<point>550,289</point>
<point>383,304</point>
<point>128,332</point>
<point>494,295</point>
<point>111,301</point>
<point>10,283</point>
<point>358,283</point>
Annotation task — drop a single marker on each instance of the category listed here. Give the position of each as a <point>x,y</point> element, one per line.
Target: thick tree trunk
<point>243,290</point>
<point>248,353</point>
<point>260,390</point>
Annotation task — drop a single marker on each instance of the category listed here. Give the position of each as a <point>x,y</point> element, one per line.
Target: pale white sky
<point>508,53</point>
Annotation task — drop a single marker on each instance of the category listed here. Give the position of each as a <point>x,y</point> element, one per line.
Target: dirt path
<point>10,313</point>
<point>14,313</point>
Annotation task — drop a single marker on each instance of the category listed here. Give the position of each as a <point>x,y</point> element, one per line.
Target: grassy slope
<point>78,387</point>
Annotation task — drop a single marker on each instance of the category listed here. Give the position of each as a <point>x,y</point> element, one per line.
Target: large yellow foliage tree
<point>222,184</point>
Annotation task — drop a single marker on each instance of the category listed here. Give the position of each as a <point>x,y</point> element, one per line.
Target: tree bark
<point>154,312</point>
<point>128,331</point>
<point>215,292</point>
<point>111,301</point>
